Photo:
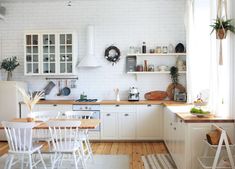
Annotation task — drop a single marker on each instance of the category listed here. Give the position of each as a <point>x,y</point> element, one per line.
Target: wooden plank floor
<point>134,150</point>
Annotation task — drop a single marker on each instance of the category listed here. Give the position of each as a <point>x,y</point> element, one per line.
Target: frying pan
<point>66,90</point>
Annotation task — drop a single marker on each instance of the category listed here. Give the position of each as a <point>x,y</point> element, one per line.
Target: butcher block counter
<point>189,118</point>
<point>183,112</point>
<point>110,102</point>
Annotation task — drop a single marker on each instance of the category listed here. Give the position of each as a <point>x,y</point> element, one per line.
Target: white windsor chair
<point>19,137</point>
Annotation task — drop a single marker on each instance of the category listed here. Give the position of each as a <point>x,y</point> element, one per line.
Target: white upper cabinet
<point>50,53</point>
<point>32,63</point>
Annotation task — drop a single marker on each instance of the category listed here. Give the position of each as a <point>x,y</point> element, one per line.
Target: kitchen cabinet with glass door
<point>50,53</point>
<point>31,61</point>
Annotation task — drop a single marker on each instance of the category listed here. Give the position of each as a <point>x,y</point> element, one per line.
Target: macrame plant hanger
<point>222,7</point>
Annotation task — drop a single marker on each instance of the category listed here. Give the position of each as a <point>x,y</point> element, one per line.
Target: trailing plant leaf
<point>220,23</point>
<point>9,64</point>
<point>174,75</point>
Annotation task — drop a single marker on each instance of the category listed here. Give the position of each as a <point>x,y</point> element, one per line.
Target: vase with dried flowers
<point>9,64</point>
<point>30,100</point>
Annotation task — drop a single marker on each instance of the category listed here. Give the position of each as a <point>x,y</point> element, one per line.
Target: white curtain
<point>198,49</point>
<point>205,75</point>
<point>189,26</point>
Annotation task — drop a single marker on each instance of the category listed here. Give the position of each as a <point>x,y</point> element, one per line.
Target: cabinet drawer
<point>118,108</point>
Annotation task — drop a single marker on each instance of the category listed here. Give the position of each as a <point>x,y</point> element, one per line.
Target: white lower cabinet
<point>45,107</point>
<point>131,122</point>
<point>109,125</point>
<point>185,140</point>
<point>149,122</point>
<point>127,125</point>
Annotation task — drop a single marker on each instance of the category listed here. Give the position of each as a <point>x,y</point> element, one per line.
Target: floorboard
<point>134,149</point>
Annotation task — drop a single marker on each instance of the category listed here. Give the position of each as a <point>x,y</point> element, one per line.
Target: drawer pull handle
<point>108,114</point>
<point>117,105</point>
<point>126,115</point>
<point>174,128</point>
<point>149,105</point>
<point>171,124</point>
<point>54,104</point>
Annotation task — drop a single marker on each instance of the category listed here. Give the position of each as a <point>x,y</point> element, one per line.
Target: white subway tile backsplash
<point>122,23</point>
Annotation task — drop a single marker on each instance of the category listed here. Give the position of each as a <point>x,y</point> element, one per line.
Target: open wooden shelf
<point>156,72</point>
<point>156,54</point>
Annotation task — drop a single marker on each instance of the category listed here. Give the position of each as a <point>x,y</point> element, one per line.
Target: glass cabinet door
<point>65,54</point>
<point>48,54</point>
<point>32,54</point>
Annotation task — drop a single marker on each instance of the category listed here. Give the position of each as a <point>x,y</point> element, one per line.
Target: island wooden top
<point>189,118</point>
<point>111,102</point>
<point>85,123</point>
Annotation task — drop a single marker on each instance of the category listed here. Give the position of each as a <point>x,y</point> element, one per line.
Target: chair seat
<point>67,147</point>
<point>82,136</point>
<point>35,147</point>
<point>41,138</point>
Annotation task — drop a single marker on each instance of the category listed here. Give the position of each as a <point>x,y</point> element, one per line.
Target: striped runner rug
<point>158,161</point>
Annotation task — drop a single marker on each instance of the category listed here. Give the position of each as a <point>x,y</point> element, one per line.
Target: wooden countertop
<point>189,118</point>
<point>111,102</point>
<point>85,123</point>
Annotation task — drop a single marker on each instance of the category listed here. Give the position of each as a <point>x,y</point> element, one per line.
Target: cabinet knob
<point>174,128</point>
<point>117,105</point>
<point>126,114</point>
<point>108,114</point>
<point>54,104</point>
<point>171,124</point>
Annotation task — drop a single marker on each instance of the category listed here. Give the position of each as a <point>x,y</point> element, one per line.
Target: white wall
<point>123,23</point>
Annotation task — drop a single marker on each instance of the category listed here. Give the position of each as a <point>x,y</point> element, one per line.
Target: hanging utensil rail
<point>61,78</point>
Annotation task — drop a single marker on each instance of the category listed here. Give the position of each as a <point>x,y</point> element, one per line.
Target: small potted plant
<point>175,85</point>
<point>221,26</point>
<point>9,65</point>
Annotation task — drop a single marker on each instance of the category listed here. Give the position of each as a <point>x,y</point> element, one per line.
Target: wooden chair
<point>65,140</point>
<point>19,137</point>
<point>83,135</point>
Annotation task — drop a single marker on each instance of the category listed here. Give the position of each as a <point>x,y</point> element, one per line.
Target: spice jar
<point>151,68</point>
<point>164,49</point>
<point>158,49</point>
<point>139,68</point>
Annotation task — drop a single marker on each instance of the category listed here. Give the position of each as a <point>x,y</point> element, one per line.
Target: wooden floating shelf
<point>157,54</point>
<point>156,72</point>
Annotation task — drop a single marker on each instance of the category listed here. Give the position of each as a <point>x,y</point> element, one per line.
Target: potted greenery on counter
<point>9,65</point>
<point>221,26</point>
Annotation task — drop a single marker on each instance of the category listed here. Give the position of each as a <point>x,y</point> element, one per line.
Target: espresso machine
<point>134,94</point>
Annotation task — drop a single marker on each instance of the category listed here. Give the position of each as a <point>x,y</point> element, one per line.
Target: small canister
<point>139,68</point>
<point>158,49</point>
<point>151,68</point>
<point>164,49</point>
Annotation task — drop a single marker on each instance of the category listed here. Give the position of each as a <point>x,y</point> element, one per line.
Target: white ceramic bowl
<point>162,68</point>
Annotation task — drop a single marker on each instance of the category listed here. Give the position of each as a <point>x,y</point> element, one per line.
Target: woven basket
<point>221,33</point>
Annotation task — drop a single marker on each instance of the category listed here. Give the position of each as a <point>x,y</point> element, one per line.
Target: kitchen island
<point>184,134</point>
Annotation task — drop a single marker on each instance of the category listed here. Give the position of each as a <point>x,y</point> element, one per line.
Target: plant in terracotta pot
<point>9,65</point>
<point>221,26</point>
<point>175,85</point>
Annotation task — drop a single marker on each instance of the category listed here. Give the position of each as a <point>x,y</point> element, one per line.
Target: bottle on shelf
<point>144,47</point>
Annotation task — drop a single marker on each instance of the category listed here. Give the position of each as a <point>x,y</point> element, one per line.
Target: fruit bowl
<point>199,112</point>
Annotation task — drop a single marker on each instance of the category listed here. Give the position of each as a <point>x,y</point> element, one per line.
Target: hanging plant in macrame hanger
<point>222,25</point>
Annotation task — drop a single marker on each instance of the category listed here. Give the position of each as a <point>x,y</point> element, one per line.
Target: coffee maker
<point>134,94</point>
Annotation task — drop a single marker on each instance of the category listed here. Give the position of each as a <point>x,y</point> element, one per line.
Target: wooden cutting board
<point>155,95</point>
